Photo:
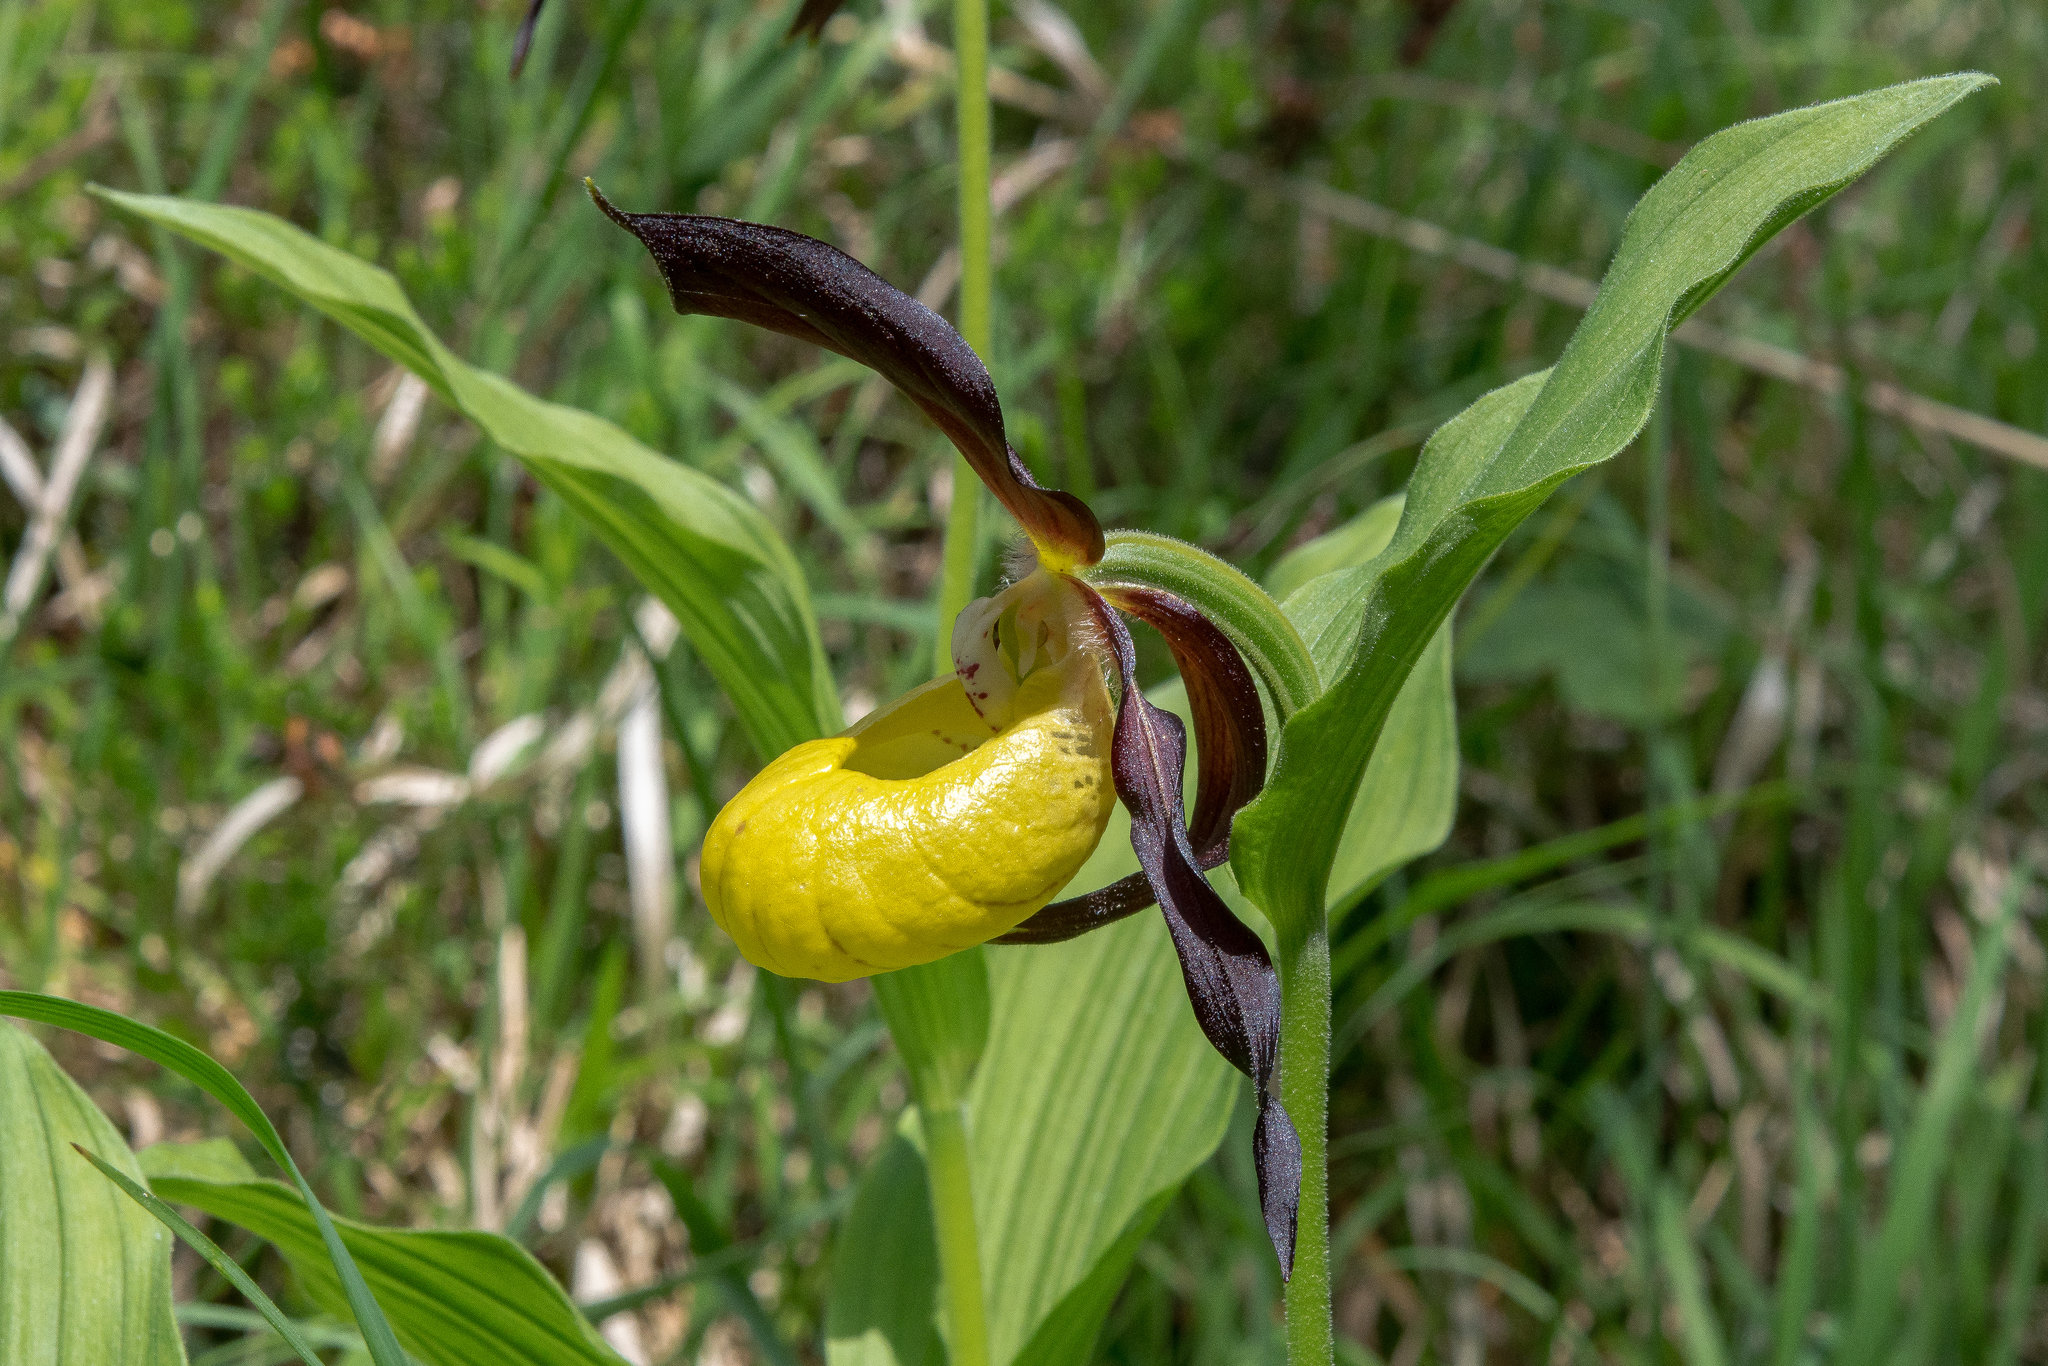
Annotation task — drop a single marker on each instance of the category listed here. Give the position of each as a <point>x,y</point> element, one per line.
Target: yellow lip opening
<point>920,831</point>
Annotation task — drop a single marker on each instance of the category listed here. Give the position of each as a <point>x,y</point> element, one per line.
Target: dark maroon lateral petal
<point>810,290</point>
<point>1229,976</point>
<point>1077,915</point>
<point>1230,757</point>
<point>812,18</point>
<point>1230,724</point>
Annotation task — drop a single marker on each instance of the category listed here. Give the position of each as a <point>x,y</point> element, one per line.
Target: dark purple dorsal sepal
<point>803,288</point>
<point>1229,975</point>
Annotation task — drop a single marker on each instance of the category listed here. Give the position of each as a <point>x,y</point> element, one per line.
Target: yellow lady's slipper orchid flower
<point>939,821</point>
<point>953,816</point>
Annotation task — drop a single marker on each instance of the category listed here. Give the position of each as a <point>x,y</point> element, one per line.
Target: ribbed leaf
<point>1494,464</point>
<point>1095,1098</point>
<point>455,1298</point>
<point>227,1266</point>
<point>698,546</point>
<point>210,1077</point>
<point>85,1275</point>
<point>1406,804</point>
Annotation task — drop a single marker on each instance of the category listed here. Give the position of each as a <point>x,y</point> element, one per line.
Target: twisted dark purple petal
<point>1230,977</point>
<point>1230,754</point>
<point>812,291</point>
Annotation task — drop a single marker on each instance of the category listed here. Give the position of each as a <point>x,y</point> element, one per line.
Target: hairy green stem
<point>946,1162</point>
<point>1277,654</point>
<point>945,1122</point>
<point>977,306</point>
<point>1305,1090</point>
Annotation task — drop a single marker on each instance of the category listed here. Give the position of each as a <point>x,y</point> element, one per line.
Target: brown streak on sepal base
<point>1230,754</point>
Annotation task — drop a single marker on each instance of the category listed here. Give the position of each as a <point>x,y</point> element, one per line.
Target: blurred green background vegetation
<point>1771,684</point>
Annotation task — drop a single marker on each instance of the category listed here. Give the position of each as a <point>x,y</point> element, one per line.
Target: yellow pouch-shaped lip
<point>919,832</point>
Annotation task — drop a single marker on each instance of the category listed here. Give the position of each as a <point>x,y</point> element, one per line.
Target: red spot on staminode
<point>971,669</point>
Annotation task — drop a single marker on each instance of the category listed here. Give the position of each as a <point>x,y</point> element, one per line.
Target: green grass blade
<point>1670,1237</point>
<point>1908,1230</point>
<point>210,1077</point>
<point>207,1248</point>
<point>1628,921</point>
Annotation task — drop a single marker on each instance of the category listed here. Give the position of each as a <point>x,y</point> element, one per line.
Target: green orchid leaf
<point>210,1251</point>
<point>938,1015</point>
<point>697,545</point>
<point>1402,810</point>
<point>1494,464</point>
<point>455,1297</point>
<point>85,1276</point>
<point>1408,800</point>
<point>1409,797</point>
<point>1095,1098</point>
<point>210,1077</point>
<point>885,1268</point>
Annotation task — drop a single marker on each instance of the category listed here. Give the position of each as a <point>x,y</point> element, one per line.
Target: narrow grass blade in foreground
<point>210,1077</point>
<point>456,1297</point>
<point>210,1251</point>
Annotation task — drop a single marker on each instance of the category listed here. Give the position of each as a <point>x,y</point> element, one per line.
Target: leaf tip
<point>610,211</point>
